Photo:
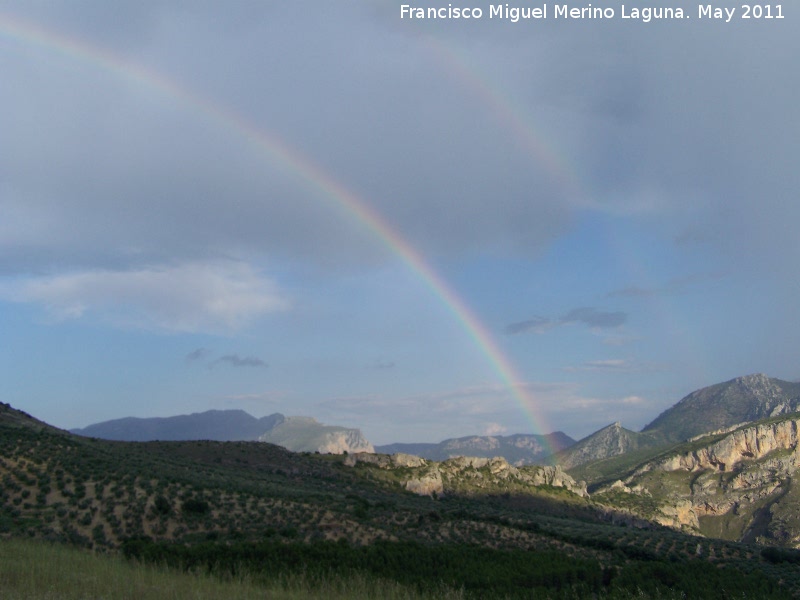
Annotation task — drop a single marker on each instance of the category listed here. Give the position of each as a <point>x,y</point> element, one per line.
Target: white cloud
<point>494,429</point>
<point>633,400</point>
<point>216,297</point>
<point>620,365</point>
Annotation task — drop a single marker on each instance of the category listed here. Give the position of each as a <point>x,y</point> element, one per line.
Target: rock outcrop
<point>749,442</point>
<point>306,434</point>
<point>743,473</point>
<point>468,475</point>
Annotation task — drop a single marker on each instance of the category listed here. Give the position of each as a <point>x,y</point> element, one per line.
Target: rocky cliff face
<point>339,442</point>
<point>468,475</point>
<point>736,484</point>
<point>747,443</point>
<point>306,434</point>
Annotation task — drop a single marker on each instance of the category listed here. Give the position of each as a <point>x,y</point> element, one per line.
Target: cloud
<point>595,318</point>
<point>673,286</point>
<point>493,429</point>
<point>197,354</point>
<point>239,154</point>
<point>591,317</point>
<point>534,324</point>
<point>614,363</point>
<point>622,365</point>
<point>217,297</point>
<point>234,360</point>
<point>471,172</point>
<point>635,400</point>
<point>486,409</point>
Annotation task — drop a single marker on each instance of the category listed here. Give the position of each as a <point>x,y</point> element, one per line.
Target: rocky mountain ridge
<point>299,434</point>
<point>612,440</point>
<point>717,407</point>
<point>517,449</point>
<point>736,485</point>
<point>740,400</point>
<point>466,475</point>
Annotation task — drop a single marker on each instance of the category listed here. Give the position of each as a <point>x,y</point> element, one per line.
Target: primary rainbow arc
<point>331,189</point>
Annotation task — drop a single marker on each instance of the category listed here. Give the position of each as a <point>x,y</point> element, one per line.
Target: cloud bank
<point>219,297</point>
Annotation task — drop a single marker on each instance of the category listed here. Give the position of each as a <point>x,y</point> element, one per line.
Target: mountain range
<point>481,526</point>
<point>299,434</point>
<point>711,476</point>
<point>216,425</point>
<point>741,400</point>
<point>305,434</point>
<point>519,449</point>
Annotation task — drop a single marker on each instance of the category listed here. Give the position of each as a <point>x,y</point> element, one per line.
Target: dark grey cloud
<point>197,354</point>
<point>142,174</point>
<point>536,324</point>
<point>591,317</point>
<point>474,138</point>
<point>234,360</point>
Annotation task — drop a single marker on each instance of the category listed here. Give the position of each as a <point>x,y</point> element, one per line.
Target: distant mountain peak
<point>740,400</point>
<point>611,440</point>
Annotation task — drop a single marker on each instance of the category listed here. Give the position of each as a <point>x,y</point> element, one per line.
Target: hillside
<point>202,503</point>
<point>735,484</point>
<point>517,449</point>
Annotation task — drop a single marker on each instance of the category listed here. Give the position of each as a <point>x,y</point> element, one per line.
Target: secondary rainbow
<point>331,189</point>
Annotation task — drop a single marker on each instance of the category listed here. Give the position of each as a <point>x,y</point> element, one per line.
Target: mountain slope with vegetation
<point>235,507</point>
<point>737,484</point>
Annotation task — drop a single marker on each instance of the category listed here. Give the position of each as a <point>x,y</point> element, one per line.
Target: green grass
<point>33,570</point>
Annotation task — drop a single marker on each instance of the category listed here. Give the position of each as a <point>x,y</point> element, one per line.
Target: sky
<point>423,228</point>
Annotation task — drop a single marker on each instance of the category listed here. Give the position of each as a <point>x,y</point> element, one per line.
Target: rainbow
<point>510,116</point>
<point>312,175</point>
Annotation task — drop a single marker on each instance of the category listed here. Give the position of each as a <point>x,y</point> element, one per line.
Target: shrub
<point>195,506</point>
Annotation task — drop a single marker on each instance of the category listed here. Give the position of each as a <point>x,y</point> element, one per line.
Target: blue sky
<point>614,201</point>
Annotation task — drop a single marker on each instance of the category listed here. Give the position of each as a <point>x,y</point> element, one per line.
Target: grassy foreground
<point>33,570</point>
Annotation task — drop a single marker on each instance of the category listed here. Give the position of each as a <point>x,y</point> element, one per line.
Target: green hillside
<point>232,508</point>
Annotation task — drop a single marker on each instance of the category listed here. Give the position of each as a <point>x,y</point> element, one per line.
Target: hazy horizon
<point>422,228</point>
